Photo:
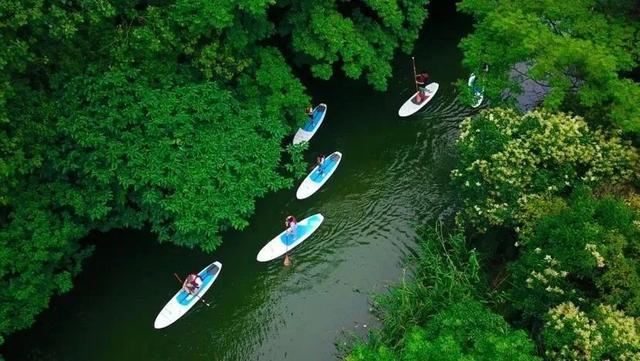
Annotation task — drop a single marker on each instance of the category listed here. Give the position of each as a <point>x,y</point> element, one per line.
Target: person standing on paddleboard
<point>320,161</point>
<point>292,226</point>
<point>421,81</point>
<point>192,283</point>
<point>309,112</point>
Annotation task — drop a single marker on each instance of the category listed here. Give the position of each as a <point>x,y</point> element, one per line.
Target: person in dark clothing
<point>421,81</point>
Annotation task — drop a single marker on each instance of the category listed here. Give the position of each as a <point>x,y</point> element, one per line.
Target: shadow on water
<point>394,178</point>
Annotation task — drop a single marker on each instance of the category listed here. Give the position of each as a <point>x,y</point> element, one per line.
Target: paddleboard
<point>318,176</point>
<point>285,242</point>
<point>478,93</point>
<point>310,128</point>
<point>183,301</point>
<point>409,107</point>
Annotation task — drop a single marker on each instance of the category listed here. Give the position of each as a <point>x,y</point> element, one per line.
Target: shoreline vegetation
<point>557,185</point>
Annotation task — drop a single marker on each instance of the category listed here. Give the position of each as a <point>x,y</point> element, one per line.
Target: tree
<point>189,159</point>
<point>323,36</point>
<point>582,49</point>
<point>507,160</point>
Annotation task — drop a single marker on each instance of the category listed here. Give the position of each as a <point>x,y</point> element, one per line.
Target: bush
<point>507,160</point>
<point>437,314</point>
<point>444,270</point>
<point>572,334</point>
<point>584,248</point>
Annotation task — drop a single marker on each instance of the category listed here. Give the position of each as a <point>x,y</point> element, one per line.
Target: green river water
<point>394,178</point>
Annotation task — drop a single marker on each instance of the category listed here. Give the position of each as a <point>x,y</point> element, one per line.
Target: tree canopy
<point>584,50</point>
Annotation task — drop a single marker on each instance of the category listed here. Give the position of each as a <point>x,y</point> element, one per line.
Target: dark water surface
<point>394,178</point>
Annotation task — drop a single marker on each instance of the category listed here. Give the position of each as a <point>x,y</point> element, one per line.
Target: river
<point>394,178</point>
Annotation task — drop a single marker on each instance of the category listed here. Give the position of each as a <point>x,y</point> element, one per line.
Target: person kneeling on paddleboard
<point>292,226</point>
<point>192,283</point>
<point>421,81</point>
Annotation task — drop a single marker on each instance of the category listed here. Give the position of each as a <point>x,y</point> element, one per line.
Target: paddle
<point>287,260</point>
<point>195,294</point>
<point>413,61</point>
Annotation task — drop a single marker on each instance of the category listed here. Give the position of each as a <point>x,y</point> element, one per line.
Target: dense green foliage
<point>187,158</point>
<point>323,36</point>
<point>465,330</point>
<point>168,114</point>
<point>584,50</point>
<point>575,279</point>
<point>582,250</point>
<point>437,315</point>
<point>508,160</point>
<point>444,270</point>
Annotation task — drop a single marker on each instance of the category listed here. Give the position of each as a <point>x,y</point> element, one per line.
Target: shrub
<point>606,333</point>
<point>507,160</point>
<point>584,248</point>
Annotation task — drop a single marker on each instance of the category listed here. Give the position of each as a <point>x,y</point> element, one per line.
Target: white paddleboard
<point>478,94</point>
<point>183,301</point>
<point>318,176</point>
<point>409,107</point>
<point>285,242</point>
<point>310,128</point>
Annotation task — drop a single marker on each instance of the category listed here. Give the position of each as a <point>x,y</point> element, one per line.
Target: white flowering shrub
<point>508,159</point>
<point>583,249</point>
<point>604,334</point>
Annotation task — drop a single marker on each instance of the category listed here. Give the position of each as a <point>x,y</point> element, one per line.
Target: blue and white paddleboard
<point>409,107</point>
<point>478,93</point>
<point>310,128</point>
<point>319,176</point>
<point>183,301</point>
<point>285,242</point>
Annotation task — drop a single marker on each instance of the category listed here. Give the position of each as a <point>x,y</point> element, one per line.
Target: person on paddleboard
<point>320,162</point>
<point>309,112</point>
<point>192,283</point>
<point>421,81</point>
<point>292,226</point>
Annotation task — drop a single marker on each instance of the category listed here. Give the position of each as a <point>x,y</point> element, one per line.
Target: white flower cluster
<point>535,155</point>
<point>587,338</point>
<point>591,248</point>
<point>608,331</point>
<point>547,276</point>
